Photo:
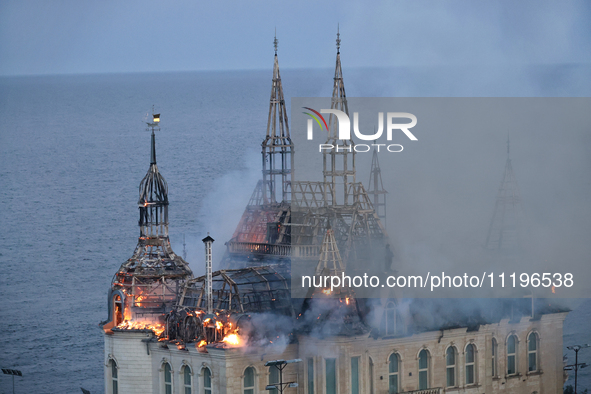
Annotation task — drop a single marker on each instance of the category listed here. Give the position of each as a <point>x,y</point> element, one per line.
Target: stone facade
<point>140,362</point>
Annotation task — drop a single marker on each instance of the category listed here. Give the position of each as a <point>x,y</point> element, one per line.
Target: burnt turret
<point>145,286</point>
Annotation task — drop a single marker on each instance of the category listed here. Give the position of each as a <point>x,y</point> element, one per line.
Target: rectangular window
<point>310,376</point>
<point>451,375</point>
<point>532,362</point>
<point>470,374</point>
<point>354,375</point>
<point>511,365</point>
<point>423,380</point>
<point>331,376</point>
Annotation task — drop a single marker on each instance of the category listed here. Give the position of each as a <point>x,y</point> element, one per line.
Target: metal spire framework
<point>355,223</point>
<point>330,262</point>
<point>150,276</point>
<point>294,227</point>
<point>376,188</point>
<point>339,162</point>
<point>277,147</point>
<point>504,226</point>
<point>263,227</point>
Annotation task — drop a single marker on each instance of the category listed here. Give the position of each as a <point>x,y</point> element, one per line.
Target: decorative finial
<point>338,39</point>
<point>153,149</point>
<point>275,42</point>
<point>153,124</point>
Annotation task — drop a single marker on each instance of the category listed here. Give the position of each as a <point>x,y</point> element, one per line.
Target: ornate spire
<point>148,278</point>
<point>153,254</point>
<point>339,162</point>
<point>277,148</point>
<point>153,198</point>
<point>504,226</point>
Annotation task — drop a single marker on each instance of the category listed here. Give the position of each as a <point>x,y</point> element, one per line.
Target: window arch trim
<point>162,370</point>
<point>255,377</point>
<point>395,376</point>
<point>453,366</point>
<point>536,352</point>
<point>204,367</point>
<point>515,355</point>
<point>112,388</point>
<point>181,372</point>
<point>426,370</point>
<point>473,363</point>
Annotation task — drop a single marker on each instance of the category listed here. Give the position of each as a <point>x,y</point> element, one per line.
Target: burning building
<point>171,332</point>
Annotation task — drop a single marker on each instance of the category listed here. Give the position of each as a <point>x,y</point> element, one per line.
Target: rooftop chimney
<point>208,241</point>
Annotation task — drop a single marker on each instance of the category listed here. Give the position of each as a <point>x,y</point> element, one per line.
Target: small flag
<point>156,118</point>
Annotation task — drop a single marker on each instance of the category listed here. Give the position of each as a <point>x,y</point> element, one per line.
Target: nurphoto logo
<point>345,130</point>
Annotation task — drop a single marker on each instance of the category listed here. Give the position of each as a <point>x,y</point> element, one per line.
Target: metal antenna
<point>275,42</point>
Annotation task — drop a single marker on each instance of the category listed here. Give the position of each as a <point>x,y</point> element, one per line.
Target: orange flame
<point>327,291</point>
<point>202,343</point>
<point>157,328</point>
<point>232,339</point>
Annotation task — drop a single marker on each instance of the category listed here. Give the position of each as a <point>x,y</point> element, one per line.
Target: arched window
<point>114,377</point>
<point>186,372</point>
<point>450,363</point>
<point>512,355</point>
<point>394,323</point>
<point>470,362</point>
<point>273,378</point>
<point>206,381</point>
<point>393,373</point>
<point>423,369</point>
<point>532,352</point>
<point>494,358</point>
<point>117,310</point>
<point>249,380</point>
<point>167,379</point>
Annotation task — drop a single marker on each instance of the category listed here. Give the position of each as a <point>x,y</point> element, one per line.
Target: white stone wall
<point>134,365</point>
<point>140,373</point>
<point>227,366</point>
<point>548,379</point>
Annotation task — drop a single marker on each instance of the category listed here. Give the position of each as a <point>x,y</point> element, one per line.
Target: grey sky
<point>72,36</point>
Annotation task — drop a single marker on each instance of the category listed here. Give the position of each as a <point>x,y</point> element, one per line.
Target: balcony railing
<point>259,248</point>
<point>437,390</point>
<point>302,251</point>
